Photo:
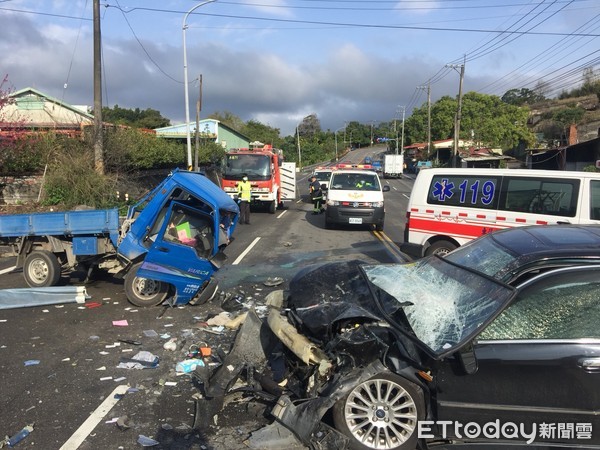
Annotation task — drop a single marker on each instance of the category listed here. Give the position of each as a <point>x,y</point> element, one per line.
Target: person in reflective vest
<point>244,197</point>
<point>316,195</point>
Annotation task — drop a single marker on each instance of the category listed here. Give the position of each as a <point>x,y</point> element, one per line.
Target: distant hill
<point>541,116</point>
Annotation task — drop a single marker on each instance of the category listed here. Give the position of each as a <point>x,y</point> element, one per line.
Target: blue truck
<point>166,248</point>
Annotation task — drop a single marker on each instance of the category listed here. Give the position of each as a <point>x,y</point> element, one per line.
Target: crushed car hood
<point>439,305</point>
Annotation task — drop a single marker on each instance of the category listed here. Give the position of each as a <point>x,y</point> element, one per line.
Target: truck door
<point>288,181</point>
<point>180,252</point>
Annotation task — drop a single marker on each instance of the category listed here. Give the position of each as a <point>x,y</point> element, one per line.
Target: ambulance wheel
<point>41,269</point>
<point>144,291</point>
<point>440,248</point>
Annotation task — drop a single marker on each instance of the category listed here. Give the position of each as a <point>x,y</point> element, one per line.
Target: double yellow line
<point>391,247</point>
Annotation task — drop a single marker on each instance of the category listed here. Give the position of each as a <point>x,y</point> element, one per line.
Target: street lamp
<point>336,142</point>
<point>185,84</point>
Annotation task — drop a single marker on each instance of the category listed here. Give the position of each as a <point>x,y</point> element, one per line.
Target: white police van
<point>355,197</point>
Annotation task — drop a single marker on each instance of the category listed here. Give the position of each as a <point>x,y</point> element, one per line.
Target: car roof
<point>552,240</point>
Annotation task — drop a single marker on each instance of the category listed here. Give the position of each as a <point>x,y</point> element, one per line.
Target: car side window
<point>561,304</point>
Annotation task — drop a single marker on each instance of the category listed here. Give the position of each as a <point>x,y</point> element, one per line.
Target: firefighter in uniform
<point>244,197</point>
<point>316,195</point>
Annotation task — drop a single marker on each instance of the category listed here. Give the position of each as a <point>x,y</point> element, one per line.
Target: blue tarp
<point>52,295</point>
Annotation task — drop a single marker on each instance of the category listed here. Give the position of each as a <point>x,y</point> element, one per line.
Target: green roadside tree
<point>486,118</point>
<point>136,118</point>
<point>257,131</point>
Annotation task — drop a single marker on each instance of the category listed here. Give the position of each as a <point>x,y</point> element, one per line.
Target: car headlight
<point>333,203</point>
<point>377,204</point>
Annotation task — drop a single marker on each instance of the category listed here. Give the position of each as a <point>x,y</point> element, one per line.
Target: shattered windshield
<point>444,305</point>
<point>485,255</point>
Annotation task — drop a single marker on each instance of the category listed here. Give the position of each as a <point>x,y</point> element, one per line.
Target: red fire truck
<point>273,180</point>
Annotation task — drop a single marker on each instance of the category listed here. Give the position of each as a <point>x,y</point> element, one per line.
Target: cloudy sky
<point>277,61</point>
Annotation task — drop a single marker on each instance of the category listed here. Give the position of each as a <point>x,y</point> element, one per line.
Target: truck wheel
<point>440,248</point>
<point>41,269</point>
<point>272,207</point>
<point>144,291</point>
<point>381,413</point>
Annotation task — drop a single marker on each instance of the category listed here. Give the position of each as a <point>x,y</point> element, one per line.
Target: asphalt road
<point>59,363</point>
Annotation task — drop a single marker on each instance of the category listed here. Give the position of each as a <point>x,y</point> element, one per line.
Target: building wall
<point>231,140</point>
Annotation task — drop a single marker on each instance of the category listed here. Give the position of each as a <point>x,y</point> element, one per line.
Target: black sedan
<point>497,343</point>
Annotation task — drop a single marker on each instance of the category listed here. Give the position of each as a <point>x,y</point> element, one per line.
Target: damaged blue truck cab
<point>167,247</point>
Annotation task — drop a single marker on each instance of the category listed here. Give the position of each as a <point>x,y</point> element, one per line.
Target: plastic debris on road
<point>141,360</point>
<point>50,295</point>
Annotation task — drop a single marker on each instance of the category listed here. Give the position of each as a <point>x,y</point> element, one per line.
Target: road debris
<point>141,360</point>
<point>13,440</point>
<point>51,295</point>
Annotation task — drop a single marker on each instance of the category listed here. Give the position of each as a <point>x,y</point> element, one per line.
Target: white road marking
<point>282,213</point>
<point>94,419</point>
<point>245,252</point>
<point>10,269</point>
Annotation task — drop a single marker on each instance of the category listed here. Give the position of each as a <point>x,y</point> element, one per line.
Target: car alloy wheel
<point>380,413</point>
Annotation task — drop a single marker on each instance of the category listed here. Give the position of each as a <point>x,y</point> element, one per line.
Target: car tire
<point>379,227</point>
<point>380,413</point>
<point>41,269</point>
<point>440,248</point>
<point>329,224</point>
<point>144,291</point>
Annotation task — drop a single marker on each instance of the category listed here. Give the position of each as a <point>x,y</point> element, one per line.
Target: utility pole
<point>458,110</point>
<point>396,134</point>
<point>299,151</point>
<point>98,134</point>
<point>428,117</point>
<point>402,142</point>
<point>198,109</point>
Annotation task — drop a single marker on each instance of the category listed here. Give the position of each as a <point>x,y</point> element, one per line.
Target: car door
<point>538,367</point>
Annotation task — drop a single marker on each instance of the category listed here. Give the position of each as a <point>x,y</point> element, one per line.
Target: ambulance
<point>449,207</point>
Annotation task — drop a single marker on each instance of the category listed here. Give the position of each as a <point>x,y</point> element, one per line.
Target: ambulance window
<point>595,200</point>
<point>541,196</point>
<point>464,191</point>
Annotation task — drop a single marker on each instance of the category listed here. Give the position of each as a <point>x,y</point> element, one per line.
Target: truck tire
<point>41,269</point>
<point>272,207</point>
<point>144,291</point>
